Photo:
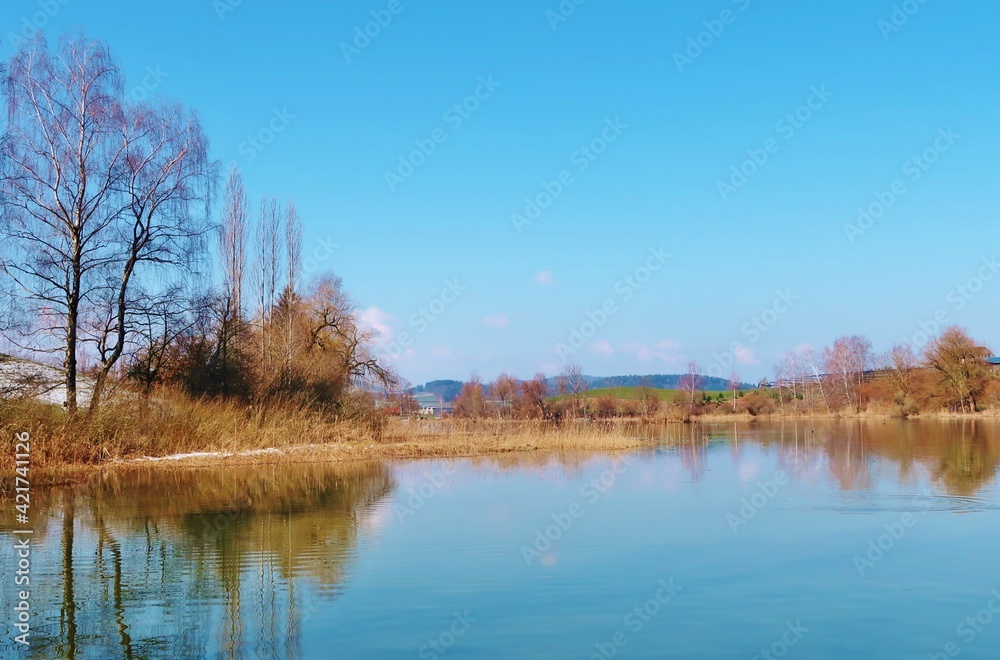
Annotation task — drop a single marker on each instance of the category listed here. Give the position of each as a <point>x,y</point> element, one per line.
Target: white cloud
<point>602,347</point>
<point>496,321</point>
<point>379,321</point>
<point>745,355</point>
<point>550,367</point>
<point>545,278</point>
<point>665,350</point>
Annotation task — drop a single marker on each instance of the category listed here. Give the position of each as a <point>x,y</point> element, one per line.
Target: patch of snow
<point>204,454</point>
<point>25,378</point>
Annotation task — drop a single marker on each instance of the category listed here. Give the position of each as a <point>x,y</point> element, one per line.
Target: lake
<point>842,539</point>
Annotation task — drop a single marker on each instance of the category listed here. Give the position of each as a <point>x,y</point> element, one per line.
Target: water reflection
<point>962,456</point>
<point>206,563</point>
<point>233,563</point>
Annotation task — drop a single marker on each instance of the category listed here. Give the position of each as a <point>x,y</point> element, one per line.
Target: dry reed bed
<point>124,434</point>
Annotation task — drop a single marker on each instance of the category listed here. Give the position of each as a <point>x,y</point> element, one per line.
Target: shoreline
<point>485,441</point>
<point>449,440</point>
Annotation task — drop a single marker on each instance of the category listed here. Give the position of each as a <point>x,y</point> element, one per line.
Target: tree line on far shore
<point>950,374</point>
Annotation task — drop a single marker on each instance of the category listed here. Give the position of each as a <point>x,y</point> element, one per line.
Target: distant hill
<point>661,381</point>
<point>638,393</point>
<point>447,390</point>
<point>657,381</point>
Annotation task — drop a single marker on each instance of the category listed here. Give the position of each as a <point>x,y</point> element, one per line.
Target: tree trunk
<point>69,362</point>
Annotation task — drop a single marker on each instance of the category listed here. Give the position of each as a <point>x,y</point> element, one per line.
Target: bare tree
<point>293,245</point>
<point>293,261</point>
<point>535,393</point>
<point>847,361</point>
<point>791,376</point>
<point>898,365</point>
<point>233,239</point>
<point>649,402</point>
<point>504,392</point>
<point>960,363</point>
<point>157,327</point>
<point>734,385</point>
<point>99,197</point>
<point>61,162</point>
<point>692,382</point>
<point>576,385</point>
<point>160,232</point>
<point>471,401</point>
<point>334,330</point>
<point>809,359</point>
<point>267,269</point>
<point>780,382</point>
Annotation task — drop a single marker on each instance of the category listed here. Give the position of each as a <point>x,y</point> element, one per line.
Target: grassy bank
<point>212,431</point>
<point>172,430</point>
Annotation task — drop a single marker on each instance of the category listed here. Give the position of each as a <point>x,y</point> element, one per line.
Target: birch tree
<point>101,203</point>
<point>61,161</point>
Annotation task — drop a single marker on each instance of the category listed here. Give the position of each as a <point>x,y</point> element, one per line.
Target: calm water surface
<point>836,540</point>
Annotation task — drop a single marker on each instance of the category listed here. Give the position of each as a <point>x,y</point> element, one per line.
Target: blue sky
<point>868,87</point>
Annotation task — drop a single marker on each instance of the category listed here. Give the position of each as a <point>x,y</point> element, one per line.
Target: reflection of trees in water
<point>962,455</point>
<point>221,563</point>
<point>970,460</point>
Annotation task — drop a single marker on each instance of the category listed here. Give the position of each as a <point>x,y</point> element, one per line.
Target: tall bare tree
<point>160,233</point>
<point>734,385</point>
<point>61,161</point>
<point>691,382</point>
<point>267,269</point>
<point>293,246</point>
<point>233,239</point>
<point>99,198</point>
<point>293,262</point>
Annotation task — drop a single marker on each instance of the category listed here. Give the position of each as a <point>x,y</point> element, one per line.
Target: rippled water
<point>835,540</point>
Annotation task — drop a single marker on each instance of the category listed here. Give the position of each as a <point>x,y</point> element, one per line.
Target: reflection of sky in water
<point>374,561</point>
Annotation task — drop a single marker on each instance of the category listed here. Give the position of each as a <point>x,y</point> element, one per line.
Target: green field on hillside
<point>637,393</point>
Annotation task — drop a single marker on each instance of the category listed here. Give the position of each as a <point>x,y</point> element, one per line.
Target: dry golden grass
<point>129,433</point>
